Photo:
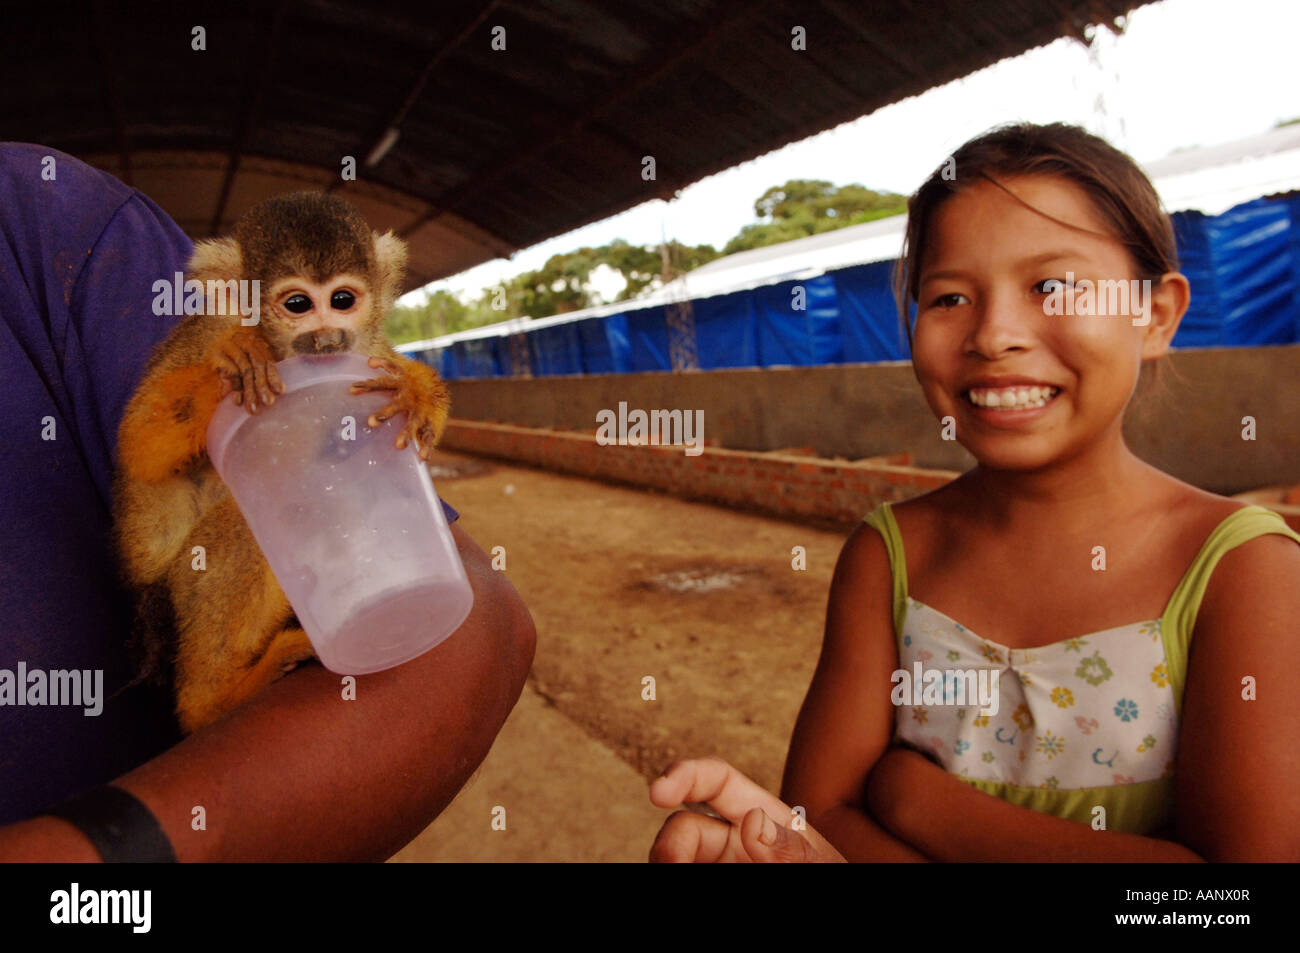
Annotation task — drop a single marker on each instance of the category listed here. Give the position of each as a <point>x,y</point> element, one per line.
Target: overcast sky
<point>1184,73</point>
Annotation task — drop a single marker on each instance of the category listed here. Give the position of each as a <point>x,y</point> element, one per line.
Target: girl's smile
<point>1009,401</point>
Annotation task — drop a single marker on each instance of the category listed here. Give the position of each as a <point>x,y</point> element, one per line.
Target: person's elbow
<point>499,618</point>
<point>518,632</point>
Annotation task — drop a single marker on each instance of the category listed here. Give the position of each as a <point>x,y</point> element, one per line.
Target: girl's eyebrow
<point>1032,261</point>
<point>948,274</point>
<point>1058,255</point>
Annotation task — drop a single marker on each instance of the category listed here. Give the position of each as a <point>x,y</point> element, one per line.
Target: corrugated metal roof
<point>496,149</point>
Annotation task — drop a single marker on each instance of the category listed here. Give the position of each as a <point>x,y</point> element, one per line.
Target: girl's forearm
<point>956,822</point>
<point>859,838</point>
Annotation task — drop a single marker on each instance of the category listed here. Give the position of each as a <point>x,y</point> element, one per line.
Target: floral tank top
<point>1087,722</point>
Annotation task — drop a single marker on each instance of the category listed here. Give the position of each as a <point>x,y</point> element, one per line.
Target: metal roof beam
<point>848,18</point>
<point>248,118</point>
<point>417,88</point>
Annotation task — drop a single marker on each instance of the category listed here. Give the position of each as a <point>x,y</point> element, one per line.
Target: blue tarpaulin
<point>647,338</point>
<point>1243,267</point>
<point>556,350</point>
<point>726,331</point>
<point>1293,209</point>
<point>1242,270</point>
<point>798,323</point>
<point>599,354</point>
<point>1253,273</point>
<point>1201,323</point>
<point>476,358</point>
<point>869,322</point>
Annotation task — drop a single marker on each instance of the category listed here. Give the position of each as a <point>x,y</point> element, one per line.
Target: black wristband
<point>122,829</point>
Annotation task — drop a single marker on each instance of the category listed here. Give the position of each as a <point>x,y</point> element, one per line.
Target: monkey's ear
<point>390,266</point>
<point>217,259</point>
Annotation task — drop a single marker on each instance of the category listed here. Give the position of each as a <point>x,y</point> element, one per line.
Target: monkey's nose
<point>328,339</point>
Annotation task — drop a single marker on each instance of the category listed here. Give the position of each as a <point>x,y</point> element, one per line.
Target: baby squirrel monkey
<point>327,282</point>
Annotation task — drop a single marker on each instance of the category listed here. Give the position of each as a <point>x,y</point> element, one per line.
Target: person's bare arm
<point>300,774</point>
<point>949,820</point>
<point>847,719</point>
<point>1238,779</point>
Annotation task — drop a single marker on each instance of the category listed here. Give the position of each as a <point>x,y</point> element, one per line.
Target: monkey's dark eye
<point>342,300</point>
<point>298,304</point>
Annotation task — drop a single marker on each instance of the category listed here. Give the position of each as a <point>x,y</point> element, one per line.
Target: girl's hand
<point>751,830</point>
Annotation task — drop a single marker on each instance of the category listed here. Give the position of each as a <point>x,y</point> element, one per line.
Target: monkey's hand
<point>246,366</point>
<point>419,393</point>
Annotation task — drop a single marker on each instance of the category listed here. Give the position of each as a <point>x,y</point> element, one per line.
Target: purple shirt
<point>78,260</point>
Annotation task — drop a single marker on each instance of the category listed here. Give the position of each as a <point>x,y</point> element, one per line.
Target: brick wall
<point>786,484</point>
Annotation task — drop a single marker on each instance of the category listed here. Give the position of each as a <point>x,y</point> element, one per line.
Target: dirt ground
<point>624,584</point>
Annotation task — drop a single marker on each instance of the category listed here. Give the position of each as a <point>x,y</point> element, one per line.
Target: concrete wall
<point>1188,424</point>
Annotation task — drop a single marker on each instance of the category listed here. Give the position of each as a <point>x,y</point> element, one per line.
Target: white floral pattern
<point>1079,713</point>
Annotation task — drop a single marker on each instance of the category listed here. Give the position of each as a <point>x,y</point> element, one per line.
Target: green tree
<point>563,284</point>
<point>441,313</point>
<point>804,207</point>
<point>797,209</point>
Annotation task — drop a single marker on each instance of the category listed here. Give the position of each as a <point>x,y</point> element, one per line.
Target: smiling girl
<point>1144,630</point>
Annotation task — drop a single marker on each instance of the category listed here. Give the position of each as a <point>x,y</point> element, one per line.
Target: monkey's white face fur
<point>312,318</point>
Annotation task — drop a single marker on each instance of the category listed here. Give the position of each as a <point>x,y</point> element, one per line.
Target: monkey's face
<point>306,317</point>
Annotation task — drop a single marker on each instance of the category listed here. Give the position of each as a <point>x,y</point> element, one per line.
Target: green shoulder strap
<point>881,520</point>
<point>1180,615</point>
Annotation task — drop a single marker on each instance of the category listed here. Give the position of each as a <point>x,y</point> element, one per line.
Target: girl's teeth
<point>1016,398</point>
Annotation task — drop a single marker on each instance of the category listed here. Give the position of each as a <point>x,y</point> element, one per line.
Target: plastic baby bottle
<point>350,525</point>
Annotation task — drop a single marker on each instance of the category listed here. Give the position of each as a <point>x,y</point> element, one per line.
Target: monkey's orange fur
<point>165,440</point>
<point>224,626</point>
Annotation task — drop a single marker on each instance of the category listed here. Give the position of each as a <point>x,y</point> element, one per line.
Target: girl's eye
<point>1050,286</point>
<point>342,300</point>
<point>298,304</point>
<point>950,300</point>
